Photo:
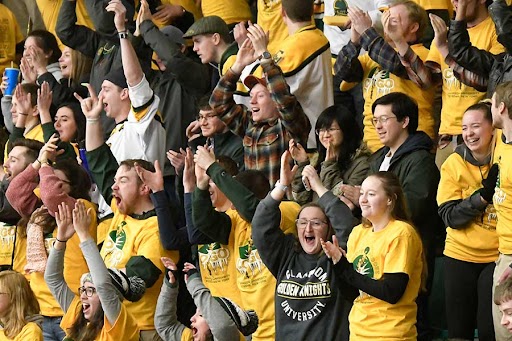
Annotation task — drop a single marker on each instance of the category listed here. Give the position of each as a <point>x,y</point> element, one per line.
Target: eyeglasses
<point>382,119</point>
<point>89,291</point>
<point>324,130</point>
<point>205,117</point>
<point>315,223</point>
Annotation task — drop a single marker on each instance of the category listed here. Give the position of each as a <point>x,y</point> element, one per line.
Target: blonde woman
<point>19,310</point>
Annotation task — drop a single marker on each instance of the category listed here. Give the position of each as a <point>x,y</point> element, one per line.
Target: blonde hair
<point>81,66</point>
<point>417,14</point>
<point>23,302</point>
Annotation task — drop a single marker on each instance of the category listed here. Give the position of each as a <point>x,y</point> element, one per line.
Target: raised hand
<point>330,152</point>
<point>91,106</point>
<point>171,267</point>
<point>187,269</point>
<point>332,250</point>
<point>81,220</point>
<point>440,33</point>
<point>38,60</point>
<point>49,151</point>
<point>24,101</point>
<point>167,13</point>
<point>351,193</point>
<point>240,33</point>
<point>189,175</point>
<point>297,152</point>
<point>154,180</point>
<point>259,39</point>
<point>286,174</point>
<point>119,10</point>
<point>64,221</point>
<point>202,179</point>
<point>177,159</point>
<point>44,98</point>
<point>28,72</point>
<point>314,180</point>
<point>360,20</point>
<point>204,157</point>
<point>244,57</point>
<point>193,130</point>
<point>143,15</point>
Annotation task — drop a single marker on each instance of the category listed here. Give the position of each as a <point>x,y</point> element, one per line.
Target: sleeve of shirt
<point>347,65</point>
<point>141,95</point>
<point>235,116</point>
<point>467,77</point>
<point>420,73</point>
<point>292,115</point>
<point>382,53</point>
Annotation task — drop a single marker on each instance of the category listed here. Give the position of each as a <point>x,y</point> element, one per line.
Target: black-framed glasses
<point>324,130</point>
<point>89,291</point>
<point>382,119</point>
<point>207,117</point>
<point>302,223</point>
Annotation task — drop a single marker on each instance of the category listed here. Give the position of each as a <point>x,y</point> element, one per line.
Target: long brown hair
<point>23,302</point>
<point>84,330</point>
<point>81,66</point>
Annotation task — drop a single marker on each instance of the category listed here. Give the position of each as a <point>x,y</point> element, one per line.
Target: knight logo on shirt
<point>214,257</point>
<point>114,245</point>
<point>363,265</point>
<point>379,79</point>
<point>249,262</point>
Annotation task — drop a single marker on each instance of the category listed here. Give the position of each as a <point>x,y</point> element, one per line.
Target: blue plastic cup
<point>12,75</point>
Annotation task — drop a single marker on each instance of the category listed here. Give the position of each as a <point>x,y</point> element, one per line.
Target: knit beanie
<point>245,320</point>
<point>130,288</point>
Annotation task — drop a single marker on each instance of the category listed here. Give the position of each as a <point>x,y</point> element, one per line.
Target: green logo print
<point>114,246</point>
<point>363,265</point>
<point>340,7</point>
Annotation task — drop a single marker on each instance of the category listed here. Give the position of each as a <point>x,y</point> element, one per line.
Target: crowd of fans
<point>255,169</point>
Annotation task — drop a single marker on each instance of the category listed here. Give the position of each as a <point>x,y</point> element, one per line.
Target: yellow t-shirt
<point>456,96</point>
<point>378,82</point>
<point>31,331</point>
<point>125,328</point>
<point>50,12</point>
<point>478,242</point>
<point>503,195</point>
<point>12,36</point>
<point>270,18</point>
<point>217,267</point>
<point>127,237</point>
<point>7,235</point>
<point>231,11</point>
<point>35,133</point>
<point>396,248</point>
<point>255,282</point>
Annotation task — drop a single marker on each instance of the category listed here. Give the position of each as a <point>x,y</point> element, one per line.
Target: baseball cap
<point>250,81</point>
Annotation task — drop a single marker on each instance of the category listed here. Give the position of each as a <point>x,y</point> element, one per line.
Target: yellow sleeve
<point>402,255</point>
<point>125,328</point>
<point>448,189</point>
<point>187,335</point>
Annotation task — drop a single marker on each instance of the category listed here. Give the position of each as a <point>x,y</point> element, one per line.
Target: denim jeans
<point>51,328</point>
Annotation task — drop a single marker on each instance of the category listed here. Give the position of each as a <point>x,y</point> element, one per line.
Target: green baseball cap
<point>208,25</point>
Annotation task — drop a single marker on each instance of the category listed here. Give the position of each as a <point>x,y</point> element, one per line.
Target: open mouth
<point>117,199</point>
<point>86,308</point>
<point>255,110</point>
<point>309,239</point>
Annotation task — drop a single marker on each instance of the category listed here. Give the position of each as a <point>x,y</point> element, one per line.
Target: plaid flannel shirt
<point>264,142</point>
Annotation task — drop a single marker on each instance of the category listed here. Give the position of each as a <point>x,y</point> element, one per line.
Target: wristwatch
<point>123,34</point>
<point>266,55</point>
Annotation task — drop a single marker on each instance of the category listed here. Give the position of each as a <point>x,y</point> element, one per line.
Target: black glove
<point>489,184</point>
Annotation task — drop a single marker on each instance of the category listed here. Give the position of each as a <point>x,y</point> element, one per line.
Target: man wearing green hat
<point>212,42</point>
